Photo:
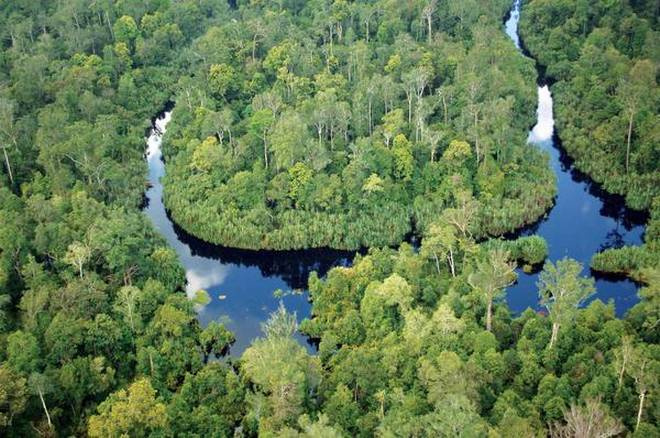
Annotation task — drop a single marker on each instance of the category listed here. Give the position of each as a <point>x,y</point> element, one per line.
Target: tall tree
<point>285,377</point>
<point>634,92</point>
<point>562,290</point>
<point>427,15</point>
<point>441,241</point>
<point>623,356</point>
<point>644,368</point>
<point>8,133</point>
<point>491,276</point>
<point>77,255</point>
<point>216,339</point>
<point>591,420</point>
<point>40,385</point>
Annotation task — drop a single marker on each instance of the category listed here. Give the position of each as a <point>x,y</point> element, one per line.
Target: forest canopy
<point>292,119</point>
<point>602,59</point>
<point>353,124</point>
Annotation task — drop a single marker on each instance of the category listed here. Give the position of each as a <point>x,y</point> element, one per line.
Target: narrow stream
<point>584,219</point>
<point>241,283</point>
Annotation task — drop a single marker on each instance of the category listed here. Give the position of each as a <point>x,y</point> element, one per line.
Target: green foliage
<point>337,124</point>
<point>125,29</point>
<point>284,375</point>
<point>531,250</point>
<point>216,339</point>
<point>135,411</point>
<point>13,396</point>
<point>82,273</point>
<point>306,124</point>
<point>603,59</point>
<point>221,79</point>
<point>209,403</point>
<point>429,365</point>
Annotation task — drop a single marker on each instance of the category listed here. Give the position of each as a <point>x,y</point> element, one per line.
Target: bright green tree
<point>562,290</point>
<point>134,411</point>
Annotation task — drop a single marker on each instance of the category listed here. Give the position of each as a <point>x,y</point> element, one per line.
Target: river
<point>241,283</point>
<point>584,219</point>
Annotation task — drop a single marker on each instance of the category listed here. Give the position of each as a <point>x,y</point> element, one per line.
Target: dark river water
<point>241,283</point>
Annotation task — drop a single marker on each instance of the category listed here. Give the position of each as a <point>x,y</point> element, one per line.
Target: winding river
<point>241,283</point>
<point>584,219</point>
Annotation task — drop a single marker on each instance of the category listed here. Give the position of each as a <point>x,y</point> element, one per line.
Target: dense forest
<point>351,125</point>
<point>602,59</point>
<point>302,124</point>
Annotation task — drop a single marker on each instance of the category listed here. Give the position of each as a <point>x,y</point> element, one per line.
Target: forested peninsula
<point>353,125</point>
<point>343,124</point>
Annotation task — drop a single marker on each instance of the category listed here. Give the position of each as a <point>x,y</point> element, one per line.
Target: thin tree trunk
<point>130,316</point>
<point>555,332</point>
<point>437,262</point>
<point>630,125</point>
<point>43,403</point>
<point>451,262</point>
<point>476,135</point>
<point>489,316</point>
<point>409,96</point>
<point>642,395</point>
<point>11,176</point>
<point>265,153</point>
<point>332,137</point>
<point>623,370</point>
<point>151,363</point>
<point>107,20</point>
<point>428,20</point>
<point>370,122</point>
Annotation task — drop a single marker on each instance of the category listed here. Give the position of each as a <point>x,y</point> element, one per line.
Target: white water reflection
<point>511,25</point>
<point>545,124</point>
<point>206,277</point>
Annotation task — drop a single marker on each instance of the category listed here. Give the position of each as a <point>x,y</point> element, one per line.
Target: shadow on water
<point>293,267</point>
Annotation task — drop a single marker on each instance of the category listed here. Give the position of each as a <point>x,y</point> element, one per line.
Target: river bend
<point>584,220</point>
